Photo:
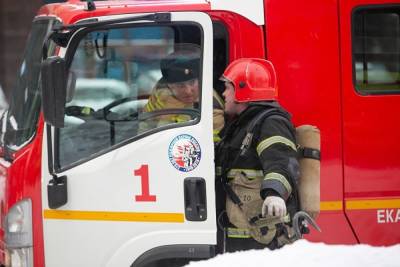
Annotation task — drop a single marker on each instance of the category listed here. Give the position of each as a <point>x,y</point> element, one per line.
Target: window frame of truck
<point>72,48</point>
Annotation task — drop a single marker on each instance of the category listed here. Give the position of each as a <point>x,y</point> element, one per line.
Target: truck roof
<point>71,11</point>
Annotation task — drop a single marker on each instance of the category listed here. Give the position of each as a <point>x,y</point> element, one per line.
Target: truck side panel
<point>302,40</point>
<point>370,46</point>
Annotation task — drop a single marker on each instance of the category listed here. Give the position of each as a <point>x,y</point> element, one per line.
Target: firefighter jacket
<point>271,156</point>
<point>163,98</point>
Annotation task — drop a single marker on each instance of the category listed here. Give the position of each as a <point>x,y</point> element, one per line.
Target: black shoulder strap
<point>303,152</point>
<point>254,123</point>
<point>245,145</point>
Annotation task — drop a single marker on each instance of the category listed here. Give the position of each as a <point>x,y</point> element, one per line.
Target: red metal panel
<point>376,227</point>
<point>371,145</point>
<point>74,10</point>
<point>334,227</point>
<point>23,181</point>
<point>245,38</point>
<point>303,43</point>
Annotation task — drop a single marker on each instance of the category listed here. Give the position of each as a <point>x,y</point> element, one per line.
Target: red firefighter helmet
<point>254,79</point>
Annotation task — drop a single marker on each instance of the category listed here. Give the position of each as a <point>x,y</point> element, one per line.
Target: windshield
<point>25,103</point>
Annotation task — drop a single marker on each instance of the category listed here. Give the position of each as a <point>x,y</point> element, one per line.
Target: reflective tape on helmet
<point>249,173</point>
<point>238,233</point>
<point>264,144</point>
<point>279,177</point>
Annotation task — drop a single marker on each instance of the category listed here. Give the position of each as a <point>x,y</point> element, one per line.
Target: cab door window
<point>128,83</point>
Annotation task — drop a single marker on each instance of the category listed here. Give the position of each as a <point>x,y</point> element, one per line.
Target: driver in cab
<point>179,89</point>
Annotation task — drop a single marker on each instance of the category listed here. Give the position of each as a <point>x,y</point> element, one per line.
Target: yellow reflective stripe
<point>361,204</point>
<point>372,204</point>
<point>218,170</point>
<point>331,205</point>
<point>264,144</point>
<point>181,118</point>
<point>158,102</point>
<point>157,106</point>
<point>238,233</point>
<point>154,103</point>
<point>279,177</point>
<point>112,216</point>
<point>149,106</point>
<point>85,110</point>
<point>250,173</point>
<point>216,136</point>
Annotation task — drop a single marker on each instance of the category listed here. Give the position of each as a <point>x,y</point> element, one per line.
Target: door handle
<point>195,199</point>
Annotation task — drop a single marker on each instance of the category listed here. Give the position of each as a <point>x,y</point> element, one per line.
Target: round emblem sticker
<point>184,152</point>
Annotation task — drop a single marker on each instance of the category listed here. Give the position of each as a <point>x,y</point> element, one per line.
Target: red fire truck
<point>87,187</point>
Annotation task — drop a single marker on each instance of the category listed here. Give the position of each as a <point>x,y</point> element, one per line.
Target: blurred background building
<point>15,23</point>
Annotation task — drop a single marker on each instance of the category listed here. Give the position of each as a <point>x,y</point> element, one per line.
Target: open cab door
<point>136,178</point>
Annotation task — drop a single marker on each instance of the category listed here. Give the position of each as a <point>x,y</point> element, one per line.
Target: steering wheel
<point>109,115</point>
<point>193,113</point>
<point>81,112</point>
<point>113,116</point>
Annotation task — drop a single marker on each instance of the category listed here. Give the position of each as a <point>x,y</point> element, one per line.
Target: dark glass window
<point>25,103</point>
<point>376,50</point>
<point>120,92</point>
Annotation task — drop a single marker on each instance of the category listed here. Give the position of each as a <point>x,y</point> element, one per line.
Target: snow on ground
<point>306,254</point>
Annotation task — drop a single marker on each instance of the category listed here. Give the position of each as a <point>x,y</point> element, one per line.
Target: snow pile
<point>306,254</point>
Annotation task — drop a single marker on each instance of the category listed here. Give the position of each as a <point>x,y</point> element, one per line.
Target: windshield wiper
<point>61,34</point>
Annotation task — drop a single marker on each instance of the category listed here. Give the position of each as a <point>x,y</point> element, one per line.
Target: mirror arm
<point>57,193</point>
<point>50,151</point>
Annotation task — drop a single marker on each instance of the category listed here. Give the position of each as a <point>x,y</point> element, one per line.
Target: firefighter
<point>179,89</point>
<point>257,169</point>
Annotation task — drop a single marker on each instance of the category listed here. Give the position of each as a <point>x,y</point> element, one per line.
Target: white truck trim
<point>251,9</point>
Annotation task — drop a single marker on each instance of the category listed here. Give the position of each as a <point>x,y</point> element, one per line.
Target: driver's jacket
<point>163,98</point>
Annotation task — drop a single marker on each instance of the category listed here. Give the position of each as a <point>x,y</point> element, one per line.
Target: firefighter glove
<point>274,206</point>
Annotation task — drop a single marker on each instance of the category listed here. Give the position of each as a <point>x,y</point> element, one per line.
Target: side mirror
<point>54,83</point>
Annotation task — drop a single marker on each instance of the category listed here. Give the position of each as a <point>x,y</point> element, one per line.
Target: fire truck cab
<point>87,178</point>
